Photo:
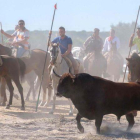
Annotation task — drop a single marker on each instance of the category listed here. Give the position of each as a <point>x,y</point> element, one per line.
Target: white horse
<point>60,67</point>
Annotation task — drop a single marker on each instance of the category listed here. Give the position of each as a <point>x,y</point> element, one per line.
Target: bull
<point>95,97</point>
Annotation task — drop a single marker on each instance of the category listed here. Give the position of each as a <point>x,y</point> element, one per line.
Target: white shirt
<point>107,44</point>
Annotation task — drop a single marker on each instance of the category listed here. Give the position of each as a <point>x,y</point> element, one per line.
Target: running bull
<point>95,97</point>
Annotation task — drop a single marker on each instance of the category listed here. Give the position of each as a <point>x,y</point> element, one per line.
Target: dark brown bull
<point>95,97</point>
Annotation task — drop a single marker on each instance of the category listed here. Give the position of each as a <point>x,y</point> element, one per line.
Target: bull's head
<point>65,85</point>
<point>134,69</point>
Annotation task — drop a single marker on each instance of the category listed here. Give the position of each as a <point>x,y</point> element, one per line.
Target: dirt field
<point>16,124</point>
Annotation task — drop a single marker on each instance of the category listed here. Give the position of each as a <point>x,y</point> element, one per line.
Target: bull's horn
<point>56,74</point>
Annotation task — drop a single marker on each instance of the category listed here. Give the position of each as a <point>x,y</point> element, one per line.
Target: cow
<point>95,97</point>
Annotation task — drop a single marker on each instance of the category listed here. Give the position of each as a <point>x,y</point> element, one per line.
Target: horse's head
<point>113,46</point>
<point>5,50</point>
<point>134,67</point>
<point>54,53</point>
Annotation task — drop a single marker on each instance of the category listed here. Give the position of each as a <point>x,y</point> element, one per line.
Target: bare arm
<point>7,35</point>
<point>131,41</point>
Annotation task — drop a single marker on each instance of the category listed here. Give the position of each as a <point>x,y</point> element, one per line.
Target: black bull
<point>95,97</point>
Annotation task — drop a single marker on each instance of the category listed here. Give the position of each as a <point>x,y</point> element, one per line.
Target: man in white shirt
<point>112,39</point>
<point>109,43</point>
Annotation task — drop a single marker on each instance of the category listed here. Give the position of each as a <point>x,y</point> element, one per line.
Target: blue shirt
<point>63,43</point>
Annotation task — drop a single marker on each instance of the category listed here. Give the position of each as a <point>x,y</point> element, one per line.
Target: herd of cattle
<point>92,96</point>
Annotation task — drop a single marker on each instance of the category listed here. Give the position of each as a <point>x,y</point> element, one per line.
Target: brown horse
<point>114,63</point>
<point>12,69</point>
<point>95,64</point>
<point>134,68</point>
<point>34,63</point>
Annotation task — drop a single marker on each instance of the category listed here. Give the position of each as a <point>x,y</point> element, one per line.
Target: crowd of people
<point>93,43</point>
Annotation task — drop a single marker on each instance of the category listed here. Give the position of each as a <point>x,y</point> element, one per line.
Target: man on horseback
<point>112,43</point>
<point>20,36</point>
<point>135,41</point>
<point>95,44</point>
<point>65,45</point>
<point>112,39</point>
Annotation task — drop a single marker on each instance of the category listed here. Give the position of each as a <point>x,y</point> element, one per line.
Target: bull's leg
<point>79,126</point>
<point>71,108</point>
<point>11,89</point>
<point>130,119</point>
<point>20,89</point>
<point>98,122</point>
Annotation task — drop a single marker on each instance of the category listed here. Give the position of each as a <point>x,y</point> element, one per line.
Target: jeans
<point>20,51</point>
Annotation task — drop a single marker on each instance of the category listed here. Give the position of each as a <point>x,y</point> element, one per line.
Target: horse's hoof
<point>51,112</point>
<point>16,96</point>
<point>81,129</point>
<point>7,107</point>
<point>41,104</point>
<point>3,104</point>
<point>45,105</point>
<point>22,108</point>
<point>70,114</point>
<point>27,99</point>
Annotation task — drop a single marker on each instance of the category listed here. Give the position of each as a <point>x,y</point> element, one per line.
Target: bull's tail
<point>22,68</point>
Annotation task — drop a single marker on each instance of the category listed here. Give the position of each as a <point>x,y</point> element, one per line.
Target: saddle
<point>69,63</point>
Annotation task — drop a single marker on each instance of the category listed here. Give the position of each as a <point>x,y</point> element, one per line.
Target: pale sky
<point>72,14</point>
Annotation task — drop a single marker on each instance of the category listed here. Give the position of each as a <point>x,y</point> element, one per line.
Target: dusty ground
<point>16,124</point>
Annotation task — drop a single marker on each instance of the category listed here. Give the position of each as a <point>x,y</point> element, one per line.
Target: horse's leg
<point>54,97</point>
<point>71,108</point>
<point>42,103</point>
<point>20,89</point>
<point>28,94</point>
<point>11,89</point>
<point>33,92</point>
<point>49,96</point>
<point>36,85</point>
<point>3,92</point>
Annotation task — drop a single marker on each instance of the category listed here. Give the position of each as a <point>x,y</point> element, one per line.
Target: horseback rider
<point>65,45</point>
<point>95,38</point>
<point>135,41</point>
<point>112,39</point>
<point>20,36</point>
<point>112,42</point>
<point>94,43</point>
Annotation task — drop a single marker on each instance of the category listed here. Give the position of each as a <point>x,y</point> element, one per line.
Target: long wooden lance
<point>55,7</point>
<point>130,46</point>
<point>1,34</point>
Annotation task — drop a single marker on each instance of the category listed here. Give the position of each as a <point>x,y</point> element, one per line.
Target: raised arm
<point>7,35</point>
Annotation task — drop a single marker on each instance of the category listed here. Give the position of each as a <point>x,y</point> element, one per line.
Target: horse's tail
<point>22,68</point>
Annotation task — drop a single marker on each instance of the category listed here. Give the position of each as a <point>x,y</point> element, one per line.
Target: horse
<point>12,69</point>
<point>133,68</point>
<point>60,65</point>
<point>114,63</point>
<point>33,63</point>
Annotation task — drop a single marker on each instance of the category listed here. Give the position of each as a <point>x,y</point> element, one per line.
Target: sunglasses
<point>21,24</point>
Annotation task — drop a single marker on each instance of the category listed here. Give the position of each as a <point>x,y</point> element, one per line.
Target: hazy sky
<point>72,14</point>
